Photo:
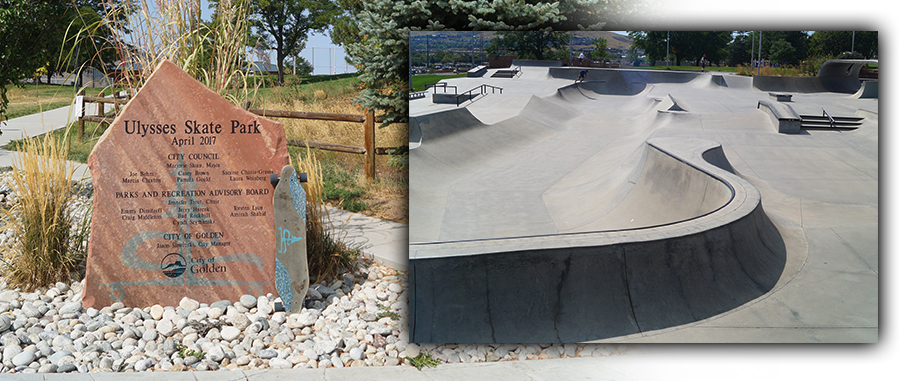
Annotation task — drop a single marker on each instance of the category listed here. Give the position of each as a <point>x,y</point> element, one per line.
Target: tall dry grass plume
<point>345,133</point>
<point>325,254</point>
<point>213,53</point>
<point>51,238</point>
<point>781,71</point>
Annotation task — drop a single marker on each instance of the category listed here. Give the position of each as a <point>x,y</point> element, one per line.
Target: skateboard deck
<point>291,267</point>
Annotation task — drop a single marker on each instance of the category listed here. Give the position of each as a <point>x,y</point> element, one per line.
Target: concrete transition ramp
<point>703,247</point>
<point>867,90</point>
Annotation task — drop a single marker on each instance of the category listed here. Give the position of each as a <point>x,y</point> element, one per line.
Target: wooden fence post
<point>80,110</point>
<point>369,130</point>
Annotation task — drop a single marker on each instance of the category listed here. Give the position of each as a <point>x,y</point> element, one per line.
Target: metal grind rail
<point>826,114</point>
<point>828,121</point>
<point>482,89</point>
<point>442,85</point>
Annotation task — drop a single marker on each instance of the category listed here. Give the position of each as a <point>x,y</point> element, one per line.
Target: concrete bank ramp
<point>703,246</point>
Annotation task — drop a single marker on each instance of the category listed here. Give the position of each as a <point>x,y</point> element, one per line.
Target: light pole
<point>752,48</point>
<point>409,67</point>
<point>758,68</point>
<point>667,50</point>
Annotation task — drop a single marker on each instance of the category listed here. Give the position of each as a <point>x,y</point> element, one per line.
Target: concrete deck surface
<point>550,158</point>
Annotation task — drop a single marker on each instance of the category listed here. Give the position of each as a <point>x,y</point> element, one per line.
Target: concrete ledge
<point>781,97</point>
<point>596,285</point>
<point>783,117</point>
<point>542,63</point>
<point>452,98</point>
<point>477,71</point>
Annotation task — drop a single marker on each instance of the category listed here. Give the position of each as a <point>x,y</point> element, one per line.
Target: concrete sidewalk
<point>384,242</point>
<point>34,125</point>
<point>636,363</point>
<point>611,368</point>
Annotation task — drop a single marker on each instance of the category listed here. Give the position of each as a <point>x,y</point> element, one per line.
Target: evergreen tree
<point>381,48</point>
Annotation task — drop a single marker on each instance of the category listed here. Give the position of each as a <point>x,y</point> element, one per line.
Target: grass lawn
<point>34,99</point>
<point>418,82</point>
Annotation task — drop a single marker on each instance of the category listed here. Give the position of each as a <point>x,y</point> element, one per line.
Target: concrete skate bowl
<point>836,76</point>
<point>689,240</point>
<point>623,78</point>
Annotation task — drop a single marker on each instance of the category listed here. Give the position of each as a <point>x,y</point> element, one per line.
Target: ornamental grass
<point>50,239</point>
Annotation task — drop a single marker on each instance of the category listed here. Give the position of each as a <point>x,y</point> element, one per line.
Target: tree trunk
<point>280,61</point>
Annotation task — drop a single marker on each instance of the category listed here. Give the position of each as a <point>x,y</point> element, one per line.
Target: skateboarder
<point>703,63</point>
<point>581,76</point>
<point>580,58</point>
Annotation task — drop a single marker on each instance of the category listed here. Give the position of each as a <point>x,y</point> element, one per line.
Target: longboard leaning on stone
<point>291,267</point>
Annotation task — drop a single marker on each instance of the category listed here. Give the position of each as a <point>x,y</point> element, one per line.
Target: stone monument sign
<point>182,199</point>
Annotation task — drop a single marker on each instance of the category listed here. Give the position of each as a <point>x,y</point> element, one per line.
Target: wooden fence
<point>81,109</point>
<point>367,120</point>
<point>368,124</point>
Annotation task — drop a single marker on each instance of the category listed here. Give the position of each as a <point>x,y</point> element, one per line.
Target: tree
<point>536,45</point>
<point>833,43</point>
<point>89,41</point>
<point>683,45</point>
<point>739,49</point>
<point>781,51</point>
<point>344,26</point>
<point>285,25</point>
<point>380,49</point>
<point>30,33</point>
<point>634,56</point>
<point>599,53</point>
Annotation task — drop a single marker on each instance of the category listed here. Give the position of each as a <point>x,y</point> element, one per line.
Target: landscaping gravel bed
<point>357,320</point>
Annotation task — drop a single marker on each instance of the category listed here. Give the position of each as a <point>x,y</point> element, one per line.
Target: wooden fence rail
<point>367,120</point>
<point>81,102</point>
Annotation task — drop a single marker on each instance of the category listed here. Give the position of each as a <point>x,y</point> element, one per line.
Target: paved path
<point>33,125</point>
<point>649,363</point>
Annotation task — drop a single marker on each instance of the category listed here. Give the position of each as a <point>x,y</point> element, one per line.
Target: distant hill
<point>613,40</point>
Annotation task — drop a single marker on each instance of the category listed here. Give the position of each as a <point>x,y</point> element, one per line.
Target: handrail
<point>483,90</point>
<point>830,119</point>
<point>440,84</point>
